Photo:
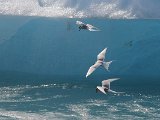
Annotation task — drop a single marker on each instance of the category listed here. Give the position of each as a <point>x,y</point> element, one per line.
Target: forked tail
<point>106,65</point>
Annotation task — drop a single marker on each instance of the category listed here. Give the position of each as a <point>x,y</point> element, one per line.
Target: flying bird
<point>106,86</point>
<point>86,26</point>
<point>99,62</point>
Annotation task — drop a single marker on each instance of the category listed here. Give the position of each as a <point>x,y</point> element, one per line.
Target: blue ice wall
<point>54,46</point>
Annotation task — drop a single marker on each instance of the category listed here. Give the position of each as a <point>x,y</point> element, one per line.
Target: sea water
<point>44,62</point>
<point>44,59</point>
<point>77,101</point>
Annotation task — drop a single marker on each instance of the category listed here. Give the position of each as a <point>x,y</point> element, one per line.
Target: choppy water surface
<point>72,101</point>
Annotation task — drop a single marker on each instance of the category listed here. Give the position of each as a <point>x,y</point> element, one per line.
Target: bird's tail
<point>106,65</point>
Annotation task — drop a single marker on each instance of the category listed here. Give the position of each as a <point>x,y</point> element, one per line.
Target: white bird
<point>106,86</point>
<point>99,62</point>
<point>86,26</point>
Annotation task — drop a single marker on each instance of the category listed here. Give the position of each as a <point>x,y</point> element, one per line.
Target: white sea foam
<point>50,104</point>
<point>10,94</point>
<point>105,109</point>
<point>80,8</point>
<point>20,115</point>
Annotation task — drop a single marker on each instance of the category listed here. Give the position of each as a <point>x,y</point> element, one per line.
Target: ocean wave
<point>130,109</point>
<point>21,115</point>
<point>80,9</point>
<point>15,94</point>
<point>51,101</point>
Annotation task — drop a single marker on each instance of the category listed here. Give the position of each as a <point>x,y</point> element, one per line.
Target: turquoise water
<point>44,61</point>
<point>77,101</point>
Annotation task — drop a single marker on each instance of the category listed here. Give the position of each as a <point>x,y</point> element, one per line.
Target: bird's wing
<point>93,68</point>
<point>92,28</point>
<point>106,83</point>
<point>101,89</point>
<point>114,91</point>
<point>101,55</point>
<point>79,23</point>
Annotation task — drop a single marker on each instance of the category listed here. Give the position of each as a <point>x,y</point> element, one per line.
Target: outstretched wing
<point>106,83</point>
<point>101,89</point>
<point>93,68</point>
<point>114,91</point>
<point>101,55</point>
<point>79,23</point>
<point>92,28</point>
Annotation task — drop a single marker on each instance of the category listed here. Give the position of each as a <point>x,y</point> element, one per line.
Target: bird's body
<point>86,26</point>
<point>106,86</point>
<point>99,62</point>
